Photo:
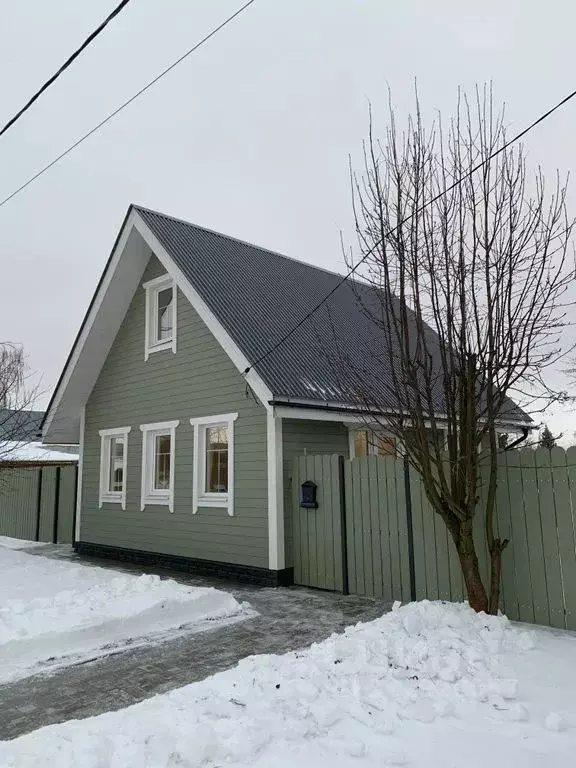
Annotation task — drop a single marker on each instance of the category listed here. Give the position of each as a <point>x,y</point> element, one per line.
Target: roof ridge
<point>239,240</point>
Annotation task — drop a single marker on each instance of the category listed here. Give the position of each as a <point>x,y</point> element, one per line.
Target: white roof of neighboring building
<point>33,452</point>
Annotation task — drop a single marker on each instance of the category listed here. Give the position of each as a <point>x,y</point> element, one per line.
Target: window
<point>214,462</point>
<point>364,442</point>
<point>160,315</point>
<point>113,463</point>
<point>158,450</point>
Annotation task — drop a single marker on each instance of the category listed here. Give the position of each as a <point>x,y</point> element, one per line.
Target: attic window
<point>160,315</point>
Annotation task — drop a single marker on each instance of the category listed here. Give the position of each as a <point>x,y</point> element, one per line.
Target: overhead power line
<point>419,210</point>
<point>65,66</point>
<point>123,106</point>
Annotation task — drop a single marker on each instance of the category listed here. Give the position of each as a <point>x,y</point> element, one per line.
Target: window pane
<point>116,468</point>
<point>162,462</point>
<point>386,446</point>
<point>164,317</point>
<point>217,459</point>
<point>361,442</point>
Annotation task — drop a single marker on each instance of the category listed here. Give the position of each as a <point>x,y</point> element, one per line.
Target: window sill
<point>162,500</point>
<point>215,501</point>
<point>167,344</point>
<point>111,498</point>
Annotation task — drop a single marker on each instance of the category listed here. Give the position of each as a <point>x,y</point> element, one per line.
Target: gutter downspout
<point>523,436</point>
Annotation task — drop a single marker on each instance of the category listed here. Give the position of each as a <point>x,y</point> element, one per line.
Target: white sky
<point>250,136</point>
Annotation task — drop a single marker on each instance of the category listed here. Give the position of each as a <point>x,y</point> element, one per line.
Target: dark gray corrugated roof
<point>20,425</point>
<point>258,296</point>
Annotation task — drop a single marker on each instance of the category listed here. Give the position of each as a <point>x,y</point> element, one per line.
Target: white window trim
<point>105,495</point>
<point>199,496</point>
<point>147,494</point>
<point>153,288</point>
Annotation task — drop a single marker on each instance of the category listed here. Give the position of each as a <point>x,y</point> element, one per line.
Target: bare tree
<point>15,398</point>
<point>470,305</point>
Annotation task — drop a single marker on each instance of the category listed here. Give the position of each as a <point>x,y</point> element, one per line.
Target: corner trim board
<point>80,473</point>
<point>276,543</point>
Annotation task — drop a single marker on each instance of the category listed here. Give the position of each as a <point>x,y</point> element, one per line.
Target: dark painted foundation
<point>242,573</point>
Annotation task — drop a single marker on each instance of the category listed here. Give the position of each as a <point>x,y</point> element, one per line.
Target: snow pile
<point>427,685</point>
<point>54,611</point>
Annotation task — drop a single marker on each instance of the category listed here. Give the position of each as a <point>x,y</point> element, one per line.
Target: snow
<point>34,452</point>
<point>10,543</point>
<point>54,613</point>
<point>429,685</point>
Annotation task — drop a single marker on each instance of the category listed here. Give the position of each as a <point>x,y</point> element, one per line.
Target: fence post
<point>75,503</point>
<point>410,528</point>
<point>343,527</point>
<point>38,505</point>
<point>56,506</point>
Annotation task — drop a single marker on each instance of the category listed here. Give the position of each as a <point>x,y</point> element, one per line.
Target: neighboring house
<point>185,456</point>
<point>21,438</point>
<point>20,425</point>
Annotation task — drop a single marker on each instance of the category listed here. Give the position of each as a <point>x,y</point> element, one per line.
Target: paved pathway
<point>288,619</point>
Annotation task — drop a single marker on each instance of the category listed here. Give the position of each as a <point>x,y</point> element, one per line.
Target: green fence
<point>38,503</point>
<point>375,533</point>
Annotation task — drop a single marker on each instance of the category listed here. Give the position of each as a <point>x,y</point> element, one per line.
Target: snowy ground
<point>54,613</point>
<point>430,685</point>
<point>9,543</point>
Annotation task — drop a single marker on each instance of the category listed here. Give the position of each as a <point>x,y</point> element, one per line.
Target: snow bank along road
<point>53,612</point>
<point>427,685</point>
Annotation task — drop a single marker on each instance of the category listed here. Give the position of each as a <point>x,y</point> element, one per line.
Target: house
<point>21,439</point>
<point>188,424</point>
<point>20,425</point>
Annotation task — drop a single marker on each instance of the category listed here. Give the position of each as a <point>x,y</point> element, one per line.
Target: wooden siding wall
<point>28,503</point>
<point>303,437</point>
<point>198,380</point>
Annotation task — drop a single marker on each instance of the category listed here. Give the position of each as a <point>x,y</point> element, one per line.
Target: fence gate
<point>318,543</point>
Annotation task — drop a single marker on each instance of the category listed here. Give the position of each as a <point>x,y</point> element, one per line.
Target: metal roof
<point>20,425</point>
<point>259,295</point>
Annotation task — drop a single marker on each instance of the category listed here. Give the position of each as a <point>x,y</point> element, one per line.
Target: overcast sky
<point>250,136</point>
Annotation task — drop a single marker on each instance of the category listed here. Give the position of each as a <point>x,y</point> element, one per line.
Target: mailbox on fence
<point>308,495</point>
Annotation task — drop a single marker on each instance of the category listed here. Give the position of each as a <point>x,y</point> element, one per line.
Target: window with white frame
<point>366,442</point>
<point>160,315</point>
<point>113,464</point>
<point>158,454</point>
<point>214,462</point>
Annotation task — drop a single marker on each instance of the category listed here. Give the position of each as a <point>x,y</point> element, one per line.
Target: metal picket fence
<point>38,503</point>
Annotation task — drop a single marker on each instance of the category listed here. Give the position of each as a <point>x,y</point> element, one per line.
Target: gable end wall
<point>199,380</point>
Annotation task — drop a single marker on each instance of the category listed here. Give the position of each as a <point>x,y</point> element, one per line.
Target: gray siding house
<point>188,424</point>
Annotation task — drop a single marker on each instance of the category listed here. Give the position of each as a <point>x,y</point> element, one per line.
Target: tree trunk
<point>495,574</point>
<point>466,549</point>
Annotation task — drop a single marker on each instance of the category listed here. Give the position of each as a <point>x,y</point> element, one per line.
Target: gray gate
<point>319,546</point>
<point>357,539</point>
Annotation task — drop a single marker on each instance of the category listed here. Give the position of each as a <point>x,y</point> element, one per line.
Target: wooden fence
<point>396,547</point>
<point>37,503</point>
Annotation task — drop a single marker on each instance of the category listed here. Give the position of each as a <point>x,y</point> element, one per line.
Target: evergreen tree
<point>547,439</point>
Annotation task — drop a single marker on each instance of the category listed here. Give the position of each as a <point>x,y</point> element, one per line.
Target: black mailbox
<point>308,495</point>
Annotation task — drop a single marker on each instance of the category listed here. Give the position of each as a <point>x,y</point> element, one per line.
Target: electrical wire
<point>65,66</point>
<point>123,106</point>
<point>419,210</point>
